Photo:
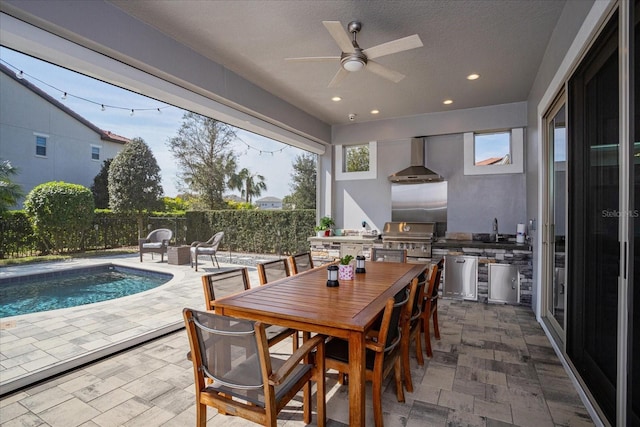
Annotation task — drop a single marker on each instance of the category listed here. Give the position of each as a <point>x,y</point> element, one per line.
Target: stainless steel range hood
<point>417,172</point>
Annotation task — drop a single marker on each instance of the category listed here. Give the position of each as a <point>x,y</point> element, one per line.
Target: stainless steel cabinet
<point>504,283</point>
<point>460,277</point>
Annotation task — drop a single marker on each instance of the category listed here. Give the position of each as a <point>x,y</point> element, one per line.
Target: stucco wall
<point>23,113</point>
<point>500,196</point>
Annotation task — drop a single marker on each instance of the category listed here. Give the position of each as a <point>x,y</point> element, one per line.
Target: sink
<point>483,237</point>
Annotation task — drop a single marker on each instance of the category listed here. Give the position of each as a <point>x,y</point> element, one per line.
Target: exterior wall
<point>502,195</point>
<point>23,113</point>
<point>269,205</point>
<point>474,200</point>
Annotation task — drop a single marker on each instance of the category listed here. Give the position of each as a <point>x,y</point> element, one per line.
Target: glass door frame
<point>549,208</point>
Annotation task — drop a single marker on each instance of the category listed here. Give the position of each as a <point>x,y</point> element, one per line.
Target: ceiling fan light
<point>353,64</point>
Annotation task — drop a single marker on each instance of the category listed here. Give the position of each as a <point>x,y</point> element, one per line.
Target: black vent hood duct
<point>417,172</point>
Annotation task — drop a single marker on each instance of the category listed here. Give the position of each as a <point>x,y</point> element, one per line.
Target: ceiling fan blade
<point>340,75</point>
<point>314,59</point>
<point>394,46</point>
<point>339,34</point>
<point>383,71</point>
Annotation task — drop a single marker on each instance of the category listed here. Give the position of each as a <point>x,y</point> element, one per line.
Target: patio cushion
<point>201,251</point>
<point>152,245</point>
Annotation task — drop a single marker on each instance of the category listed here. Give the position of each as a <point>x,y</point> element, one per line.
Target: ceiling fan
<point>354,58</point>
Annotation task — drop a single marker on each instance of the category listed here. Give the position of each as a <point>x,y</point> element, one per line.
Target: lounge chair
<point>155,243</point>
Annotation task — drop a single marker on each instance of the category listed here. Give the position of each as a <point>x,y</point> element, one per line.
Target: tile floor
<point>493,367</point>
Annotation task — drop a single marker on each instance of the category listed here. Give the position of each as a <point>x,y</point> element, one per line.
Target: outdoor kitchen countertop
<point>347,239</point>
<point>452,243</point>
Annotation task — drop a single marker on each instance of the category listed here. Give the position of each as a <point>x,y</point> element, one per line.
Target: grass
<point>45,258</point>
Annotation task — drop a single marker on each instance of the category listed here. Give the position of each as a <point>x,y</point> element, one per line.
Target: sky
<point>85,96</point>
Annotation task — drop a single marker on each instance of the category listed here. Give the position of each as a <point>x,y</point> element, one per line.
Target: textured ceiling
<point>502,40</point>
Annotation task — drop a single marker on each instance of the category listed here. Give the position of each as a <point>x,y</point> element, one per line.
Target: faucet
<point>495,229</point>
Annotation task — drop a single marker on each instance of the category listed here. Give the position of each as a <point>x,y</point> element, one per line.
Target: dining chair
<point>412,327</point>
<point>234,281</point>
<point>210,247</point>
<point>430,306</point>
<point>244,379</point>
<point>273,270</point>
<point>383,350</point>
<point>300,262</point>
<point>389,255</point>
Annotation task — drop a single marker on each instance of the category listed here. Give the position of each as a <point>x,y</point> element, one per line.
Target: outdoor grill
<point>415,237</point>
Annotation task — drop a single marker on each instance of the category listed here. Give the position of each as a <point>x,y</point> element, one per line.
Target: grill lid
<point>409,230</point>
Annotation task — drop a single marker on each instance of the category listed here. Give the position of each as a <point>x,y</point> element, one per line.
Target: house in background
<point>269,203</point>
<point>47,141</point>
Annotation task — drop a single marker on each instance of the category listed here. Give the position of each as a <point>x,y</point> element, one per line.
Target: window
<point>41,145</point>
<point>494,153</point>
<point>492,149</point>
<point>356,161</point>
<point>356,158</point>
<point>95,152</point>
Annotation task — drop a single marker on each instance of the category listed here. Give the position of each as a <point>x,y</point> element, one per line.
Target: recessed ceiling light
<point>336,99</point>
<point>473,76</point>
<point>447,101</point>
<point>375,111</point>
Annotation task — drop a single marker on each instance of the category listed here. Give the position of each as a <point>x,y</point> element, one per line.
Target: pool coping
<point>36,346</point>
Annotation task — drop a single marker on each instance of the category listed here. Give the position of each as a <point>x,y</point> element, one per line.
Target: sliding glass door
<point>593,245</point>
<point>633,387</point>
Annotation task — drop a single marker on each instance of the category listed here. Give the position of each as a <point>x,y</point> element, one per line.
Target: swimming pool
<point>70,288</point>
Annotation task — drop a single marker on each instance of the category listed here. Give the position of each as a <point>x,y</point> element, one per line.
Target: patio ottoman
<point>178,255</point>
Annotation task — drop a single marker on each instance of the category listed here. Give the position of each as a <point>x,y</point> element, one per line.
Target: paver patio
<point>493,366</point>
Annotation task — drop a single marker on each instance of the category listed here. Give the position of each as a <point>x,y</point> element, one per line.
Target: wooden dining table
<point>304,302</point>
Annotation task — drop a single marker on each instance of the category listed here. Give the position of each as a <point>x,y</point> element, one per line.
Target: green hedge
<point>257,231</point>
<point>274,232</point>
<point>60,213</point>
<point>17,237</point>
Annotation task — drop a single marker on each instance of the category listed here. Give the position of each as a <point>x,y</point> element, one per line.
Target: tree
<point>250,185</point>
<point>61,214</point>
<point>172,204</point>
<point>10,192</point>
<point>134,181</point>
<point>357,158</point>
<point>303,182</point>
<point>100,187</point>
<point>205,157</point>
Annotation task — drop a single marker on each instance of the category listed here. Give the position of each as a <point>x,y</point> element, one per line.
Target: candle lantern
<point>332,276</point>
<point>360,264</point>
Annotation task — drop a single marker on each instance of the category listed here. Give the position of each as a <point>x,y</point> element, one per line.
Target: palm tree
<point>250,185</point>
<point>10,192</point>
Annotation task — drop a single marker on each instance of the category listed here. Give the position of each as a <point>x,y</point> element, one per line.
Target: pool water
<point>70,288</point>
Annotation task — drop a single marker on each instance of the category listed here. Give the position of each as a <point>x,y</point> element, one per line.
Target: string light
<point>103,107</point>
<point>259,150</point>
<point>20,74</point>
